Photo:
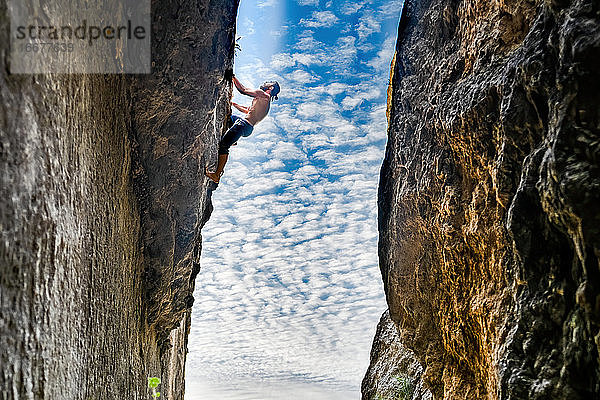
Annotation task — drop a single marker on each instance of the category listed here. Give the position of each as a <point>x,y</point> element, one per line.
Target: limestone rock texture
<point>393,367</point>
<point>489,198</point>
<point>103,197</point>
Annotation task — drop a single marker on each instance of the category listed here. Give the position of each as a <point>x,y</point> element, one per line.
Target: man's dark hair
<point>274,91</point>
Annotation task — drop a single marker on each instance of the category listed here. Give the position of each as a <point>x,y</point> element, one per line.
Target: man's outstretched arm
<point>244,90</point>
<point>241,108</point>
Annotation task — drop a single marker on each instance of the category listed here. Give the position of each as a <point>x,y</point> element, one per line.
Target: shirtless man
<point>244,126</point>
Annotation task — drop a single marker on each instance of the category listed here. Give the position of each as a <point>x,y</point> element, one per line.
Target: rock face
<point>489,200</point>
<point>103,197</point>
<point>394,371</point>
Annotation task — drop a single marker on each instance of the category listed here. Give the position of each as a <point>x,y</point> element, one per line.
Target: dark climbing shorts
<point>240,128</point>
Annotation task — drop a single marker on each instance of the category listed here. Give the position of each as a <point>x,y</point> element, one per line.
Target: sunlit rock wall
<point>489,199</point>
<point>103,197</point>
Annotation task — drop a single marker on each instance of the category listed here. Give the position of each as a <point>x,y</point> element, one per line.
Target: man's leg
<point>231,136</point>
<point>216,176</point>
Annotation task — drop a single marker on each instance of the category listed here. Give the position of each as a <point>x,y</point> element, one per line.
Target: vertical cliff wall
<point>394,373</point>
<point>103,197</point>
<point>489,200</point>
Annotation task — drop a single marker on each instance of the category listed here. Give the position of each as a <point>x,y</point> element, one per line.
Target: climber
<point>244,126</point>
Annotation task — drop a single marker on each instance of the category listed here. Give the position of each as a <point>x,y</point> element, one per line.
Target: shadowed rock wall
<point>394,371</point>
<point>489,200</point>
<point>103,198</point>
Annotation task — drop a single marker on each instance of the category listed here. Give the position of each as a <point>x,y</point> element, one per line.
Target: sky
<point>290,293</point>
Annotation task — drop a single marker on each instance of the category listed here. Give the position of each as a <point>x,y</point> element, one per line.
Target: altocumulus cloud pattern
<point>290,293</point>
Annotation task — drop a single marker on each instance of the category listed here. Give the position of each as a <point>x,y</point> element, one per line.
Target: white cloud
<point>282,60</point>
<point>302,76</point>
<point>307,42</point>
<point>352,7</point>
<point>345,51</point>
<point>248,27</point>
<point>336,88</point>
<point>351,102</point>
<point>309,59</point>
<point>391,8</point>
<point>368,24</point>
<point>320,19</point>
<point>314,110</point>
<point>308,2</point>
<point>267,3</point>
<point>384,57</point>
